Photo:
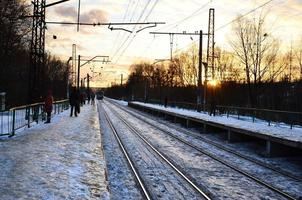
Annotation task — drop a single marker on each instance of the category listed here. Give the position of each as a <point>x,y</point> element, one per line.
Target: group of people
<point>76,99</point>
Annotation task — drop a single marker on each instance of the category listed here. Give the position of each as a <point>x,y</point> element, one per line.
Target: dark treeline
<point>149,83</point>
<point>15,38</point>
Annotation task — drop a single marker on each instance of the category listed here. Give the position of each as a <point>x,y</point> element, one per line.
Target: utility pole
<point>67,76</point>
<point>201,34</point>
<point>199,96</point>
<point>36,77</point>
<point>210,53</point>
<point>121,80</point>
<point>78,78</point>
<point>88,61</point>
<point>171,46</point>
<point>290,61</point>
<point>88,82</point>
<point>74,65</point>
<point>37,46</point>
<point>211,42</point>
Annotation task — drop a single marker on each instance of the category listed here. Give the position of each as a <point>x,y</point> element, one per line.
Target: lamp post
<point>67,77</point>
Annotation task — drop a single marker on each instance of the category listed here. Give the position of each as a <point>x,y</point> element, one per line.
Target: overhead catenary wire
<point>121,46</point>
<point>125,35</point>
<point>242,16</point>
<point>232,21</point>
<point>134,35</point>
<point>177,23</point>
<point>117,37</point>
<point>181,21</point>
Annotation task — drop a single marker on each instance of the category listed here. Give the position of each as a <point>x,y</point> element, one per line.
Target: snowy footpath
<point>60,160</point>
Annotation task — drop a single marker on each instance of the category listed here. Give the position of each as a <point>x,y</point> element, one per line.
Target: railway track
<point>145,192</point>
<point>215,144</point>
<point>138,178</point>
<point>256,179</point>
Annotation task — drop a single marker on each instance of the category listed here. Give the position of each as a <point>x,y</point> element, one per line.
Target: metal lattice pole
<point>210,53</point>
<point>37,59</point>
<point>211,43</point>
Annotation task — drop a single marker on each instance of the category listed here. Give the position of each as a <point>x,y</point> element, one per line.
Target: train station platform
<point>278,140</point>
<point>60,160</point>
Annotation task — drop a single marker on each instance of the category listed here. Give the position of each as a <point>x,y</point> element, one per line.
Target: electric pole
<point>37,76</point>
<point>200,63</point>
<point>210,53</point>
<point>199,96</point>
<point>78,78</point>
<point>88,82</point>
<point>105,60</point>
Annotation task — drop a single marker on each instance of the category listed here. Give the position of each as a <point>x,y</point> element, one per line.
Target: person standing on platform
<point>88,94</point>
<point>92,98</point>
<point>48,105</point>
<point>73,102</point>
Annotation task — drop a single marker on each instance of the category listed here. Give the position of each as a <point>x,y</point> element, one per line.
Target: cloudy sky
<point>123,48</point>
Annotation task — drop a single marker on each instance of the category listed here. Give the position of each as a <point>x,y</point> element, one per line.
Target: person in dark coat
<point>48,105</point>
<point>82,98</point>
<point>73,98</point>
<point>88,94</point>
<point>92,98</point>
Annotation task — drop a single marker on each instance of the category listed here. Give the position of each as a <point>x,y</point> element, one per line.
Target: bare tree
<point>227,68</point>
<point>188,61</point>
<point>298,58</point>
<point>255,48</point>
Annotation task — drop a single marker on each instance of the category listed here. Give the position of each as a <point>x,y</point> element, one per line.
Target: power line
<point>142,13</point>
<point>118,49</point>
<point>232,21</point>
<point>186,18</point>
<point>131,39</point>
<point>136,33</point>
<point>242,16</point>
<point>125,15</point>
<point>124,36</point>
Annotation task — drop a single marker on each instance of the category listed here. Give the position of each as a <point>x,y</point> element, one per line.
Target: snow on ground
<point>221,181</point>
<point>160,179</point>
<point>60,160</point>
<point>294,134</point>
<point>285,183</point>
<point>121,102</point>
<point>120,178</point>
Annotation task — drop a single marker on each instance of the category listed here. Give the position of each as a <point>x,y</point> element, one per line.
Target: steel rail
<point>219,146</point>
<point>182,174</point>
<point>135,172</point>
<point>288,196</point>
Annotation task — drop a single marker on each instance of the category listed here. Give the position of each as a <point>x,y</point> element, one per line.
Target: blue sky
<point>284,19</point>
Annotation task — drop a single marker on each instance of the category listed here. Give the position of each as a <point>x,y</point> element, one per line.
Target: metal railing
<point>286,118</point>
<point>19,117</point>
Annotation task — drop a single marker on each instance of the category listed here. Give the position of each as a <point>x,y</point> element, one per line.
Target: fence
<point>22,116</point>
<point>286,118</point>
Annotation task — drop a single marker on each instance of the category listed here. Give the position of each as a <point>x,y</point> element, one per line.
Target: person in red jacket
<point>48,105</point>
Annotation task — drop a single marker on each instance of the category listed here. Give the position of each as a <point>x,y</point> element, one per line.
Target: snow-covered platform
<point>278,140</point>
<point>60,160</point>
